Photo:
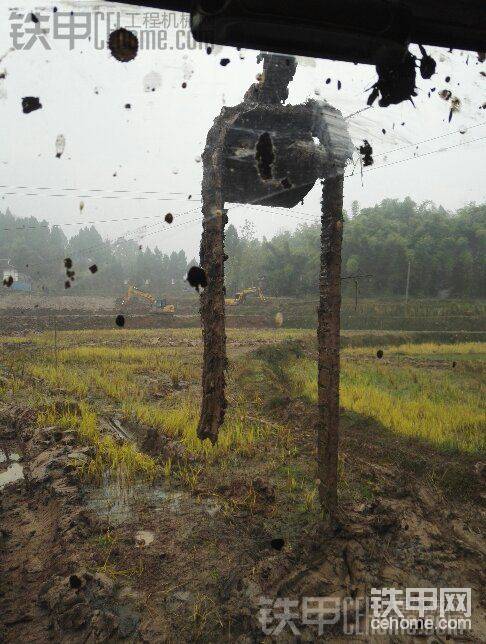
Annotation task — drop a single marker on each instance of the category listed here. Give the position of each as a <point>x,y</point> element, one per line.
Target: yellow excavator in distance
<point>241,296</point>
<point>133,292</point>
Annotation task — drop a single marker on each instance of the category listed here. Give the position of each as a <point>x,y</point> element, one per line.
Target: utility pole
<point>408,286</point>
<point>356,279</point>
<point>56,361</point>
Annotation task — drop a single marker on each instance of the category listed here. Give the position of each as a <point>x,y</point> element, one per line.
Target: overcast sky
<point>154,147</point>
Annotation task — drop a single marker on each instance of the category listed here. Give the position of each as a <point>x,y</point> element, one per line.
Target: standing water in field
<point>118,504</point>
<point>14,471</point>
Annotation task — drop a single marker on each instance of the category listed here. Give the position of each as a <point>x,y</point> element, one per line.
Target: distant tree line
<point>446,252</point>
<point>37,249</point>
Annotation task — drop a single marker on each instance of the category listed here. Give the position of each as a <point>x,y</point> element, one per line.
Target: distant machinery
<point>241,296</point>
<point>136,299</point>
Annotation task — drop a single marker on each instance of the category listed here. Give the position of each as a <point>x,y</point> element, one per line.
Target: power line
<point>102,244</point>
<point>363,109</point>
<point>88,196</point>
<point>434,138</point>
<point>417,156</point>
<point>70,189</point>
<point>135,195</point>
<point>84,223</point>
<point>129,232</point>
<point>90,249</point>
<point>277,192</point>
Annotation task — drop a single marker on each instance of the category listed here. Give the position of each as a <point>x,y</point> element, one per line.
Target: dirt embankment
<point>22,313</point>
<point>45,321</point>
<point>32,312</point>
<point>10,302</point>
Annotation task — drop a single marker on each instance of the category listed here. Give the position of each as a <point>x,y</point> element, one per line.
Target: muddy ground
<point>19,323</point>
<point>15,302</point>
<point>190,563</point>
<point>20,313</point>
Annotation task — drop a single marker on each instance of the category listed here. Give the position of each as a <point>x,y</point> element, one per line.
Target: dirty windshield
<point>242,336</point>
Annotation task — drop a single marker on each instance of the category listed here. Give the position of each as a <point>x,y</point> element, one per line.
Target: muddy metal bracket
<point>267,153</point>
<point>351,30</point>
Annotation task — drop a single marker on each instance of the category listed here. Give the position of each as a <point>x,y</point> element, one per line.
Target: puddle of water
<point>117,504</point>
<point>13,473</point>
<point>162,499</point>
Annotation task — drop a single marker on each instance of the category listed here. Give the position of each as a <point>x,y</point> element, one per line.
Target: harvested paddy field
<point>117,522</point>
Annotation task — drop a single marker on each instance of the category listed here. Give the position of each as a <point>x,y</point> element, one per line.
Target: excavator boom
<point>240,297</point>
<point>134,292</point>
